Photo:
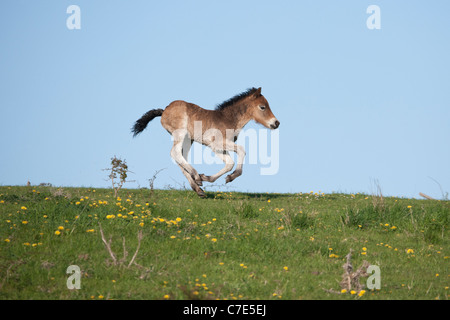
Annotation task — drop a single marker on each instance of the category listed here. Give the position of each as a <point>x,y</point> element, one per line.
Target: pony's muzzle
<point>275,125</point>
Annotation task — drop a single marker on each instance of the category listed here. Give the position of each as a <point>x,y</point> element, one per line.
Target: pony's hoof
<point>228,179</point>
<point>201,193</point>
<point>204,178</point>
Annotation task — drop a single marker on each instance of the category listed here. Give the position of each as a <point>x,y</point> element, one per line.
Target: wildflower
<point>23,208</point>
<point>409,251</point>
<point>285,268</point>
<point>77,203</point>
<point>24,222</point>
<point>166,296</point>
<point>100,297</point>
<point>57,232</point>
<point>333,255</point>
<point>172,237</point>
<point>409,207</point>
<point>361,293</point>
<point>213,239</point>
<point>220,263</point>
<point>343,290</point>
<point>364,249</point>
<point>141,224</point>
<point>178,219</point>
<point>60,228</point>
<point>268,201</point>
<point>353,292</point>
<point>7,240</point>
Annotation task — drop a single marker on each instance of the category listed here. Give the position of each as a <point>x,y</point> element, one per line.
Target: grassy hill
<point>170,244</point>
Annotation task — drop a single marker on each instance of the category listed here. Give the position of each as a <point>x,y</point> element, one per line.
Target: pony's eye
<point>262,108</point>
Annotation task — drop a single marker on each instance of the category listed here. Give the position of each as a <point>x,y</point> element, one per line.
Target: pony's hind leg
<point>177,154</point>
<point>184,151</point>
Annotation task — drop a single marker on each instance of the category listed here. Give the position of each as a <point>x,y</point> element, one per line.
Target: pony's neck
<point>237,115</point>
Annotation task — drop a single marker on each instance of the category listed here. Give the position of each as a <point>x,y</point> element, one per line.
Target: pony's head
<point>260,110</point>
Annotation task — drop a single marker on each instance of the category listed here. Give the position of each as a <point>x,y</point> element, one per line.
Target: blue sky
<point>355,105</point>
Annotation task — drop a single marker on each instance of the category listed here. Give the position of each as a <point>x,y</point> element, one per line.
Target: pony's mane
<point>236,99</point>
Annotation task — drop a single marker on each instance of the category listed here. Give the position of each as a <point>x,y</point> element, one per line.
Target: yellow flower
<point>172,237</point>
<point>166,296</point>
<point>23,208</point>
<point>364,249</point>
<point>213,239</point>
<point>343,290</point>
<point>178,219</point>
<point>409,251</point>
<point>353,292</point>
<point>7,240</point>
<point>57,232</point>
<point>268,201</point>
<point>141,224</point>
<point>285,268</point>
<point>361,293</point>
<point>24,222</point>
<point>60,228</point>
<point>409,207</point>
<point>77,203</point>
<point>100,297</point>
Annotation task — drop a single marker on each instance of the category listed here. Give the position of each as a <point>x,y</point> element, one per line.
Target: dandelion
<point>25,222</point>
<point>268,201</point>
<point>353,292</point>
<point>285,268</point>
<point>23,208</point>
<point>361,293</point>
<point>60,228</point>
<point>409,207</point>
<point>409,251</point>
<point>100,297</point>
<point>77,203</point>
<point>166,296</point>
<point>7,240</point>
<point>343,290</point>
<point>172,237</point>
<point>57,232</point>
<point>178,219</point>
<point>214,240</point>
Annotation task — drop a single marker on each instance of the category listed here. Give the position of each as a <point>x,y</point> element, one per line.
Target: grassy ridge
<point>228,246</point>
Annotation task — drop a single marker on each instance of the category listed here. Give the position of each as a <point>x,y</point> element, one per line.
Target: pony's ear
<point>257,92</point>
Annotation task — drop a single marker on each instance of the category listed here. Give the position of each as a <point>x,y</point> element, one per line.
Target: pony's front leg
<point>241,155</point>
<point>229,164</point>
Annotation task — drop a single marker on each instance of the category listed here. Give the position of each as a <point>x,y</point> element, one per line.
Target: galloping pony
<point>217,129</point>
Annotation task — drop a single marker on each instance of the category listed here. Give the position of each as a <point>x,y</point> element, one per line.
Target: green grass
<point>227,246</point>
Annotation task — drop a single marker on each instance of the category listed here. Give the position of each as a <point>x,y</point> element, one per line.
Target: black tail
<point>142,123</point>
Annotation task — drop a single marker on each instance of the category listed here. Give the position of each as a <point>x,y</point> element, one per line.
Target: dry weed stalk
<point>350,279</point>
<point>121,262</point>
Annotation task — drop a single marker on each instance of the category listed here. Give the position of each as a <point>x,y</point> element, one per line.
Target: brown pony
<point>217,129</point>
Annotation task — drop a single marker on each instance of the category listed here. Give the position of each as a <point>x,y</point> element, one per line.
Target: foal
<point>217,129</point>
